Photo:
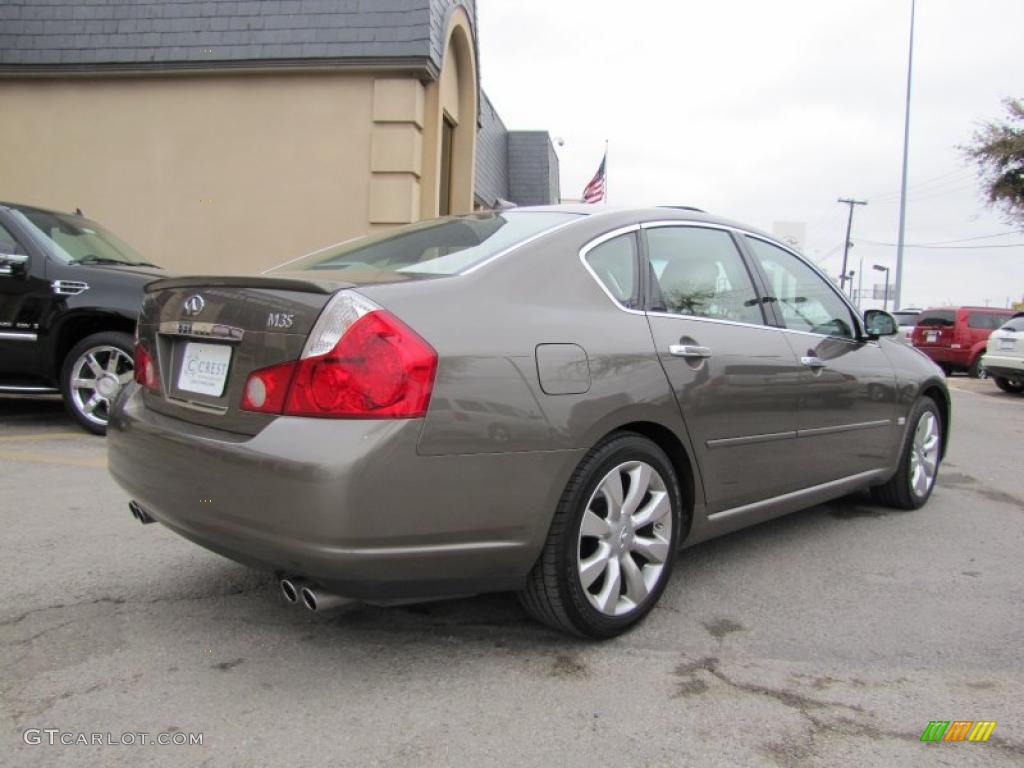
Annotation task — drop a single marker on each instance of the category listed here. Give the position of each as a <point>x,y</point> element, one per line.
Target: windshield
<point>74,240</point>
<point>446,246</point>
<point>937,317</point>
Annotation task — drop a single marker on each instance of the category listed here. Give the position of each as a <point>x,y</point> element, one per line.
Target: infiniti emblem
<point>194,305</point>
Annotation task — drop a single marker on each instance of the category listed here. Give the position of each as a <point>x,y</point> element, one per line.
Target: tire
<point>901,491</point>
<point>1013,386</point>
<point>90,388</point>
<point>976,371</point>
<point>556,593</point>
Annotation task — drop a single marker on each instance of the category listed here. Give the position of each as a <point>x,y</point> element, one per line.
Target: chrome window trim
<point>586,249</point>
<point>858,327</point>
<point>575,219</point>
<point>18,336</point>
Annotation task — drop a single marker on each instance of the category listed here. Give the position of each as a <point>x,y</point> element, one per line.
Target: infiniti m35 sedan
<point>551,401</point>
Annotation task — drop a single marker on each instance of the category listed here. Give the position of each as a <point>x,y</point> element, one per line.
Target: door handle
<point>689,350</point>
<point>812,362</point>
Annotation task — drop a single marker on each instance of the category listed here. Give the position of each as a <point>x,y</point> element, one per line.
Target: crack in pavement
<point>791,752</point>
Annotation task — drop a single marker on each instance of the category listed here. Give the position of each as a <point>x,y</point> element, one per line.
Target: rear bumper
<point>959,357</point>
<point>1003,365</point>
<point>348,504</point>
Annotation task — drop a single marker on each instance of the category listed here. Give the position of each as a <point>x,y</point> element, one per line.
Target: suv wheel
<point>92,376</point>
<point>913,482</point>
<point>1013,386</point>
<point>612,541</point>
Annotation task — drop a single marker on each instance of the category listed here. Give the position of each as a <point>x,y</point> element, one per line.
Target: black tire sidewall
<point>119,339</point>
<point>616,450</point>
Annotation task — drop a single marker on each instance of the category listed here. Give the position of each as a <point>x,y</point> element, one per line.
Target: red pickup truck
<point>956,337</point>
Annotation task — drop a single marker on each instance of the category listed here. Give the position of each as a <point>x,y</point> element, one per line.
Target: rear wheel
<point>976,371</point>
<point>610,548</point>
<point>92,376</point>
<point>913,482</point>
<point>1013,386</point>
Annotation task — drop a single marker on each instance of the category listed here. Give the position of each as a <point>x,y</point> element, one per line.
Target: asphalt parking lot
<point>829,637</point>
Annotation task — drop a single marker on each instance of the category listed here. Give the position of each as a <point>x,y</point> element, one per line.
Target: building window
<point>447,141</point>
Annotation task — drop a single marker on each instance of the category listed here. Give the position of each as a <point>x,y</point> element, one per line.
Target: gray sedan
<point>551,401</point>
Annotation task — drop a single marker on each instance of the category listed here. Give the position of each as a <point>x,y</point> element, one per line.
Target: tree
<point>998,151</point>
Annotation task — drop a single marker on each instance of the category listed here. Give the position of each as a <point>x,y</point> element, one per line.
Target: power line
<point>946,247</point>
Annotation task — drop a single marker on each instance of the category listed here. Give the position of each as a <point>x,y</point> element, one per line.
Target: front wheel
<point>1013,386</point>
<point>92,376</point>
<point>612,541</point>
<point>914,480</point>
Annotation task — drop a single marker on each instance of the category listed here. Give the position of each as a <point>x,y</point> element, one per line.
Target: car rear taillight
<point>146,373</point>
<point>360,361</point>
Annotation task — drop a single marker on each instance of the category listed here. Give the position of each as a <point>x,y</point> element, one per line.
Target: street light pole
<point>898,287</point>
<point>885,299</point>
<point>846,243</point>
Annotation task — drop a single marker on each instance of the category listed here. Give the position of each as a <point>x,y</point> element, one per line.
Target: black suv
<point>70,293</point>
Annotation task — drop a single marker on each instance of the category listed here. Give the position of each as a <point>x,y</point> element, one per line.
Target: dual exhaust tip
<point>314,598</point>
<point>139,513</point>
<point>294,589</point>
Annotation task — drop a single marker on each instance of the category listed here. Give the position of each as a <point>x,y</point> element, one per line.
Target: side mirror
<point>878,322</point>
<point>12,264</point>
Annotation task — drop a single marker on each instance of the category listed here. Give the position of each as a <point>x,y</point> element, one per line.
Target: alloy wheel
<point>624,538</point>
<point>96,379</point>
<point>924,454</point>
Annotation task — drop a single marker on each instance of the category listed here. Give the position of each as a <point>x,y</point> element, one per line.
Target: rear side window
<point>987,321</point>
<point>8,244</point>
<point>937,318</point>
<point>699,272</point>
<point>615,264</point>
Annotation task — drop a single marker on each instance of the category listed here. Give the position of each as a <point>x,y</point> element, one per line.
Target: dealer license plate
<point>204,368</point>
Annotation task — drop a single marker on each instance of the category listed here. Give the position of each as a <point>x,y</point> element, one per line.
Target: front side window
<point>699,272</point>
<point>987,321</point>
<point>806,300</point>
<point>615,264</point>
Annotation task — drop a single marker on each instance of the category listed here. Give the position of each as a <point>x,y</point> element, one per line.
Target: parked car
<point>957,337</point>
<point>301,421</point>
<point>70,293</point>
<point>1004,361</point>
<point>907,319</point>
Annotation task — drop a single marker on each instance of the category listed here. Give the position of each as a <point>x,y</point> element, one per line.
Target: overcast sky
<point>769,111</point>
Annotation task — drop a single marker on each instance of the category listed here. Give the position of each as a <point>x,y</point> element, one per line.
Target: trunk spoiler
<point>248,281</point>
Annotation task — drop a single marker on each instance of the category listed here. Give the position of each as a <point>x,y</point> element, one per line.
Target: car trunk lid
<point>207,334</point>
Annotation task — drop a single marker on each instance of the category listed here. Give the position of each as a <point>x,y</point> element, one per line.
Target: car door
<point>735,377</point>
<point>847,413</point>
<point>23,293</point>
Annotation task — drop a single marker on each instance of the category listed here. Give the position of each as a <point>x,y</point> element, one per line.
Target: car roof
<point>649,213</point>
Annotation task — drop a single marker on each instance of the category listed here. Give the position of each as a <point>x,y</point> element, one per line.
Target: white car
<point>907,319</point>
<point>1004,360</point>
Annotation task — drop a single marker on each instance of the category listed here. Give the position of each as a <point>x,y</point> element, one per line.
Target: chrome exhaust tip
<point>291,587</point>
<point>317,600</point>
<point>139,513</point>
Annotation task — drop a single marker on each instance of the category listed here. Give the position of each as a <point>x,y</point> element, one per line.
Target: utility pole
<point>846,244</point>
<point>898,288</point>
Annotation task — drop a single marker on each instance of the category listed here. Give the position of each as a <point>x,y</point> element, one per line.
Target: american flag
<point>594,191</point>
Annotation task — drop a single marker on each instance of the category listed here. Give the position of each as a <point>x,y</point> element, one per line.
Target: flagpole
<point>606,171</point>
